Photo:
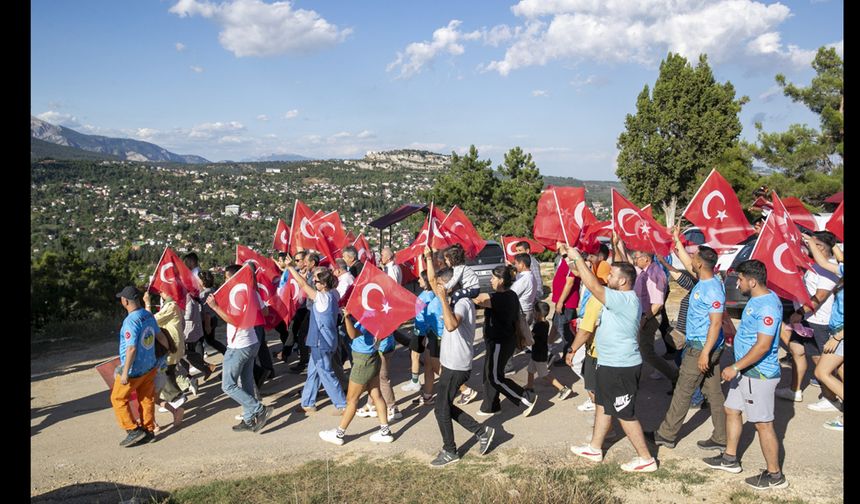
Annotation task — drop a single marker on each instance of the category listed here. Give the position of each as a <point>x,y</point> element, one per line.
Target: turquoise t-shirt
<point>617,335</point>
<point>837,315</point>
<point>707,297</point>
<point>763,314</point>
<point>364,343</point>
<point>138,329</point>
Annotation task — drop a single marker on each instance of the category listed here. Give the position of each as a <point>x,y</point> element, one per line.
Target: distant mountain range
<point>112,148</point>
<point>277,157</point>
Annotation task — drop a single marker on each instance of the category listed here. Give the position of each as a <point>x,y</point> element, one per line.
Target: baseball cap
<point>128,292</point>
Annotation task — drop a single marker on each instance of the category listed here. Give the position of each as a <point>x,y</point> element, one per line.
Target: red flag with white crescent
<point>284,303</point>
<point>282,237</point>
<point>560,216</point>
<point>588,239</point>
<point>637,230</point>
<point>330,228</point>
<point>785,224</point>
<point>783,276</point>
<point>379,304</point>
<point>304,234</point>
<point>509,243</point>
<point>834,225</point>
<point>239,300</point>
<point>457,228</point>
<point>715,209</point>
<point>172,277</point>
<point>266,267</point>
<point>365,253</point>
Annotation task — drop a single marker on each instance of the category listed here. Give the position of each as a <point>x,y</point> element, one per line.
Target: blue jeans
<point>320,370</point>
<point>239,365</point>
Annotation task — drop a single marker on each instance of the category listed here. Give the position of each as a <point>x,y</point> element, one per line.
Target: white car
<point>725,255</point>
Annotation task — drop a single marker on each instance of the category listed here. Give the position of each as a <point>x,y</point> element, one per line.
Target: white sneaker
<point>789,395</point>
<point>638,464</point>
<point>194,371</point>
<point>586,406</point>
<point>193,387</point>
<point>411,387</point>
<point>823,405</point>
<point>835,424</point>
<point>393,414</point>
<point>366,412</point>
<point>179,402</point>
<point>239,417</point>
<point>379,437</point>
<point>162,409</point>
<point>483,413</point>
<point>331,437</point>
<point>586,451</point>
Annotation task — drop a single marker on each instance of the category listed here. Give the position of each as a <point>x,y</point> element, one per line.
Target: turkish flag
<point>304,234</point>
<point>834,225</point>
<point>416,248</point>
<point>637,230</point>
<point>330,228</point>
<point>266,267</point>
<point>560,216</point>
<point>647,210</point>
<point>365,253</point>
<point>379,304</point>
<point>783,276</point>
<point>350,236</point>
<point>722,222</point>
<point>457,228</point>
<point>172,277</point>
<point>588,239</point>
<point>238,299</point>
<point>799,214</point>
<point>284,303</point>
<point>509,243</point>
<point>282,237</point>
<point>784,222</point>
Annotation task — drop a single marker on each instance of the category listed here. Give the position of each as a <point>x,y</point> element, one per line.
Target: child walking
<point>540,354</point>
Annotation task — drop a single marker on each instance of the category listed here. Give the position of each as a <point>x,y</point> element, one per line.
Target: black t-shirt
<point>540,350</point>
<point>500,319</point>
<point>356,268</point>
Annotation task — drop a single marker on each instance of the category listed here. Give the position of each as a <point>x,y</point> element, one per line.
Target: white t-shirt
<point>322,300</point>
<point>820,278</point>
<point>240,338</point>
<point>456,351</point>
<point>524,288</point>
<point>394,272</point>
<point>343,283</point>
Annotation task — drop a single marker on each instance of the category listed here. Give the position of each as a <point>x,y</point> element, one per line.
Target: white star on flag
<point>644,228</point>
<point>386,307</point>
<point>721,214</point>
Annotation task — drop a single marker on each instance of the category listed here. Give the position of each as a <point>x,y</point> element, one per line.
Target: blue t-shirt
<point>138,329</point>
<point>430,318</point>
<point>364,343</point>
<point>837,315</point>
<point>763,314</point>
<point>583,300</point>
<point>387,344</point>
<point>707,297</point>
<point>617,335</point>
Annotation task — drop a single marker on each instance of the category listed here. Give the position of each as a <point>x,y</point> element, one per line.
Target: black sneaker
<point>134,435</point>
<point>659,440</point>
<point>486,438</point>
<point>719,462</point>
<point>710,444</point>
<point>261,418</point>
<point>705,405</point>
<point>148,437</point>
<point>243,426</point>
<point>766,480</point>
<point>444,458</point>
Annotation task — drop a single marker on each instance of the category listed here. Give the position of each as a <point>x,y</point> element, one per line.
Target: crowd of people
<point>600,318</point>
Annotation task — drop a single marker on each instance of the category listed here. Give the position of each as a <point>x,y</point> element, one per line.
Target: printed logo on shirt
<point>148,337</point>
<point>696,296</point>
<point>716,305</point>
<point>768,321</point>
<point>621,402</point>
<point>128,335</point>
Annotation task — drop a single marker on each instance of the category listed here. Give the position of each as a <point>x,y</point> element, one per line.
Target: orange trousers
<point>121,394</point>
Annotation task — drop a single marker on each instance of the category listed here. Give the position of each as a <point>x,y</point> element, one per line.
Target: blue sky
<point>246,78</point>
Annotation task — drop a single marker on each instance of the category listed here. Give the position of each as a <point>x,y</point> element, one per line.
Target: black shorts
<point>813,346</point>
<point>589,372</point>
<point>416,344</point>
<point>616,390</point>
<point>434,344</point>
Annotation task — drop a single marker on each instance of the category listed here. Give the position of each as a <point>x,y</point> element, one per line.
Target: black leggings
<point>495,382</point>
<point>446,411</point>
<point>196,359</point>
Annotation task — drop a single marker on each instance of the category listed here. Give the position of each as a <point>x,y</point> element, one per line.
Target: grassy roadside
<point>402,479</point>
<point>72,335</point>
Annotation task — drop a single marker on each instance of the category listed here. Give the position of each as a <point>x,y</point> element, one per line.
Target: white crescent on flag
<point>161,273</point>
<point>284,237</point>
<point>303,228</point>
<point>711,195</point>
<point>621,214</point>
<point>436,232</point>
<point>235,292</point>
<point>324,224</point>
<point>367,290</point>
<point>425,234</point>
<point>264,288</point>
<point>777,258</point>
<point>458,223</point>
<point>577,214</point>
<point>296,290</point>
<point>510,248</point>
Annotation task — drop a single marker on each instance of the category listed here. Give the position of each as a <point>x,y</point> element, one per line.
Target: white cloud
<point>291,114</point>
<point>592,80</point>
<point>60,119</point>
<point>429,146</point>
<point>342,134</point>
<point>618,31</point>
<point>180,47</point>
<point>233,139</point>
<point>771,92</point>
<point>212,130</point>
<point>196,69</point>
<point>417,55</point>
<point>262,117</point>
<point>255,28</point>
<point>540,92</point>
<point>365,134</point>
<point>497,34</point>
<point>147,134</point>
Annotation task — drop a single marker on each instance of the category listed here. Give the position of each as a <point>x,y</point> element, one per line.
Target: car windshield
<point>743,255</point>
<point>491,254</point>
<point>695,236</point>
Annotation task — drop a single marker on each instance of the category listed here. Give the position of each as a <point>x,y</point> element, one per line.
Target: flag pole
<point>560,221</point>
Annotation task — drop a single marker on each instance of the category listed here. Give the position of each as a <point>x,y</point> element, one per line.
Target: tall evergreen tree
<point>517,193</point>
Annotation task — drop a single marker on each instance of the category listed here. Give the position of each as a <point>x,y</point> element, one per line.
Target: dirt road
<point>74,435</point>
